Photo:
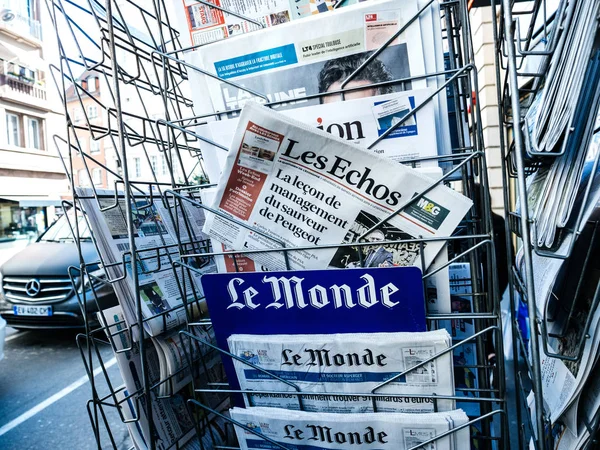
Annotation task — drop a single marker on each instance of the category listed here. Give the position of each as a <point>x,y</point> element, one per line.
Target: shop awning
<point>28,201</point>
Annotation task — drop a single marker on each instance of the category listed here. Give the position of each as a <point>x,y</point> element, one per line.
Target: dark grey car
<point>35,288</point>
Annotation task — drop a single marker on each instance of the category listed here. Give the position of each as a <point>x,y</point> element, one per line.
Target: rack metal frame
<point>516,88</point>
<point>159,70</point>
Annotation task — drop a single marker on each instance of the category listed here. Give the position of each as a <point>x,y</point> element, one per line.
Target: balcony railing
<point>16,86</point>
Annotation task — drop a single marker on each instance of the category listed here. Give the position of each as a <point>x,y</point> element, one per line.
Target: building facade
<point>32,177</point>
<point>94,162</point>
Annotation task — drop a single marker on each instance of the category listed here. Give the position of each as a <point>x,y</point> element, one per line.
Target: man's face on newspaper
<point>359,93</point>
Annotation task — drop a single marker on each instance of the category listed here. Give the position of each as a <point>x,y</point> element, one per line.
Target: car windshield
<point>60,231</point>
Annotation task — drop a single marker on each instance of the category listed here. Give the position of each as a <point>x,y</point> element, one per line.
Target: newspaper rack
<point>522,35</point>
<point>146,60</point>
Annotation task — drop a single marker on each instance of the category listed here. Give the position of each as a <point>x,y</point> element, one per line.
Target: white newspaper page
<point>175,351</point>
<point>374,431</point>
<point>359,121</point>
<point>312,56</point>
<point>351,364</point>
<point>160,289</point>
<point>562,382</point>
<point>303,187</point>
<point>200,23</point>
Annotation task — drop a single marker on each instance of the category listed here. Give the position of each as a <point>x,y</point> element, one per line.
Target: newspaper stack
<point>564,380</point>
<point>173,424</point>
<point>351,364</point>
<point>161,293</point>
<point>565,79</point>
<point>562,118</point>
<point>370,431</point>
<point>317,55</point>
<point>302,187</point>
<point>215,431</point>
<point>174,354</point>
<point>588,412</point>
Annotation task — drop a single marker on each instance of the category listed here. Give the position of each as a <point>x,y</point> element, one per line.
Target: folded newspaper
<point>338,368</point>
<point>173,424</point>
<point>162,283</point>
<point>172,353</point>
<point>369,431</point>
<point>215,432</point>
<point>300,186</point>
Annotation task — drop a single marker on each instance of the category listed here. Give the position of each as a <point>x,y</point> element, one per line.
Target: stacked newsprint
<point>562,116</point>
<point>167,294</point>
<point>571,316</point>
<point>167,291</point>
<point>173,424</point>
<point>561,129</point>
<point>300,175</point>
<point>310,172</point>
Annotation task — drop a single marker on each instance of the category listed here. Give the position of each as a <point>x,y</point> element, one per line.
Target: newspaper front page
<point>294,60</point>
<point>160,290</point>
<point>351,364</point>
<point>370,431</point>
<point>314,56</point>
<point>301,186</point>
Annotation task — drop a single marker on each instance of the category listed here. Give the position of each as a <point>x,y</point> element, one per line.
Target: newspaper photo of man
<point>335,71</point>
<point>378,256</point>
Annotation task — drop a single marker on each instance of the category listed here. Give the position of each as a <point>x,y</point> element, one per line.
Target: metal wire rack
<point>135,51</point>
<point>524,35</point>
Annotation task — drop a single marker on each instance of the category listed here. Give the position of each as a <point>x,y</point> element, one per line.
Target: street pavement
<point>44,391</point>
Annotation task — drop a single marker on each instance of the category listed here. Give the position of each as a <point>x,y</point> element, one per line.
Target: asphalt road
<point>43,394</point>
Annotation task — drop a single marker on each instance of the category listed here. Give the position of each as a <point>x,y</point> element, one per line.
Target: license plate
<point>37,310</point>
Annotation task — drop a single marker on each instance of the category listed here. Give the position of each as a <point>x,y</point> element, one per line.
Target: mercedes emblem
<point>33,287</point>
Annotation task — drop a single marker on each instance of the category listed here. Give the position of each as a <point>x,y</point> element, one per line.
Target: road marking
<point>16,335</point>
<point>53,399</point>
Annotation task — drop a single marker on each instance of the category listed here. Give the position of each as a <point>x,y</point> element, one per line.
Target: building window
<point>97,176</point>
<point>91,84</point>
<point>92,111</point>
<point>83,177</point>
<point>163,164</point>
<point>94,146</point>
<point>24,131</point>
<point>77,115</point>
<point>153,163</point>
<point>137,167</point>
<point>13,129</point>
<point>34,133</point>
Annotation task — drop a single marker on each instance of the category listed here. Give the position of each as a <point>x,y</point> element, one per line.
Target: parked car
<point>36,290</point>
